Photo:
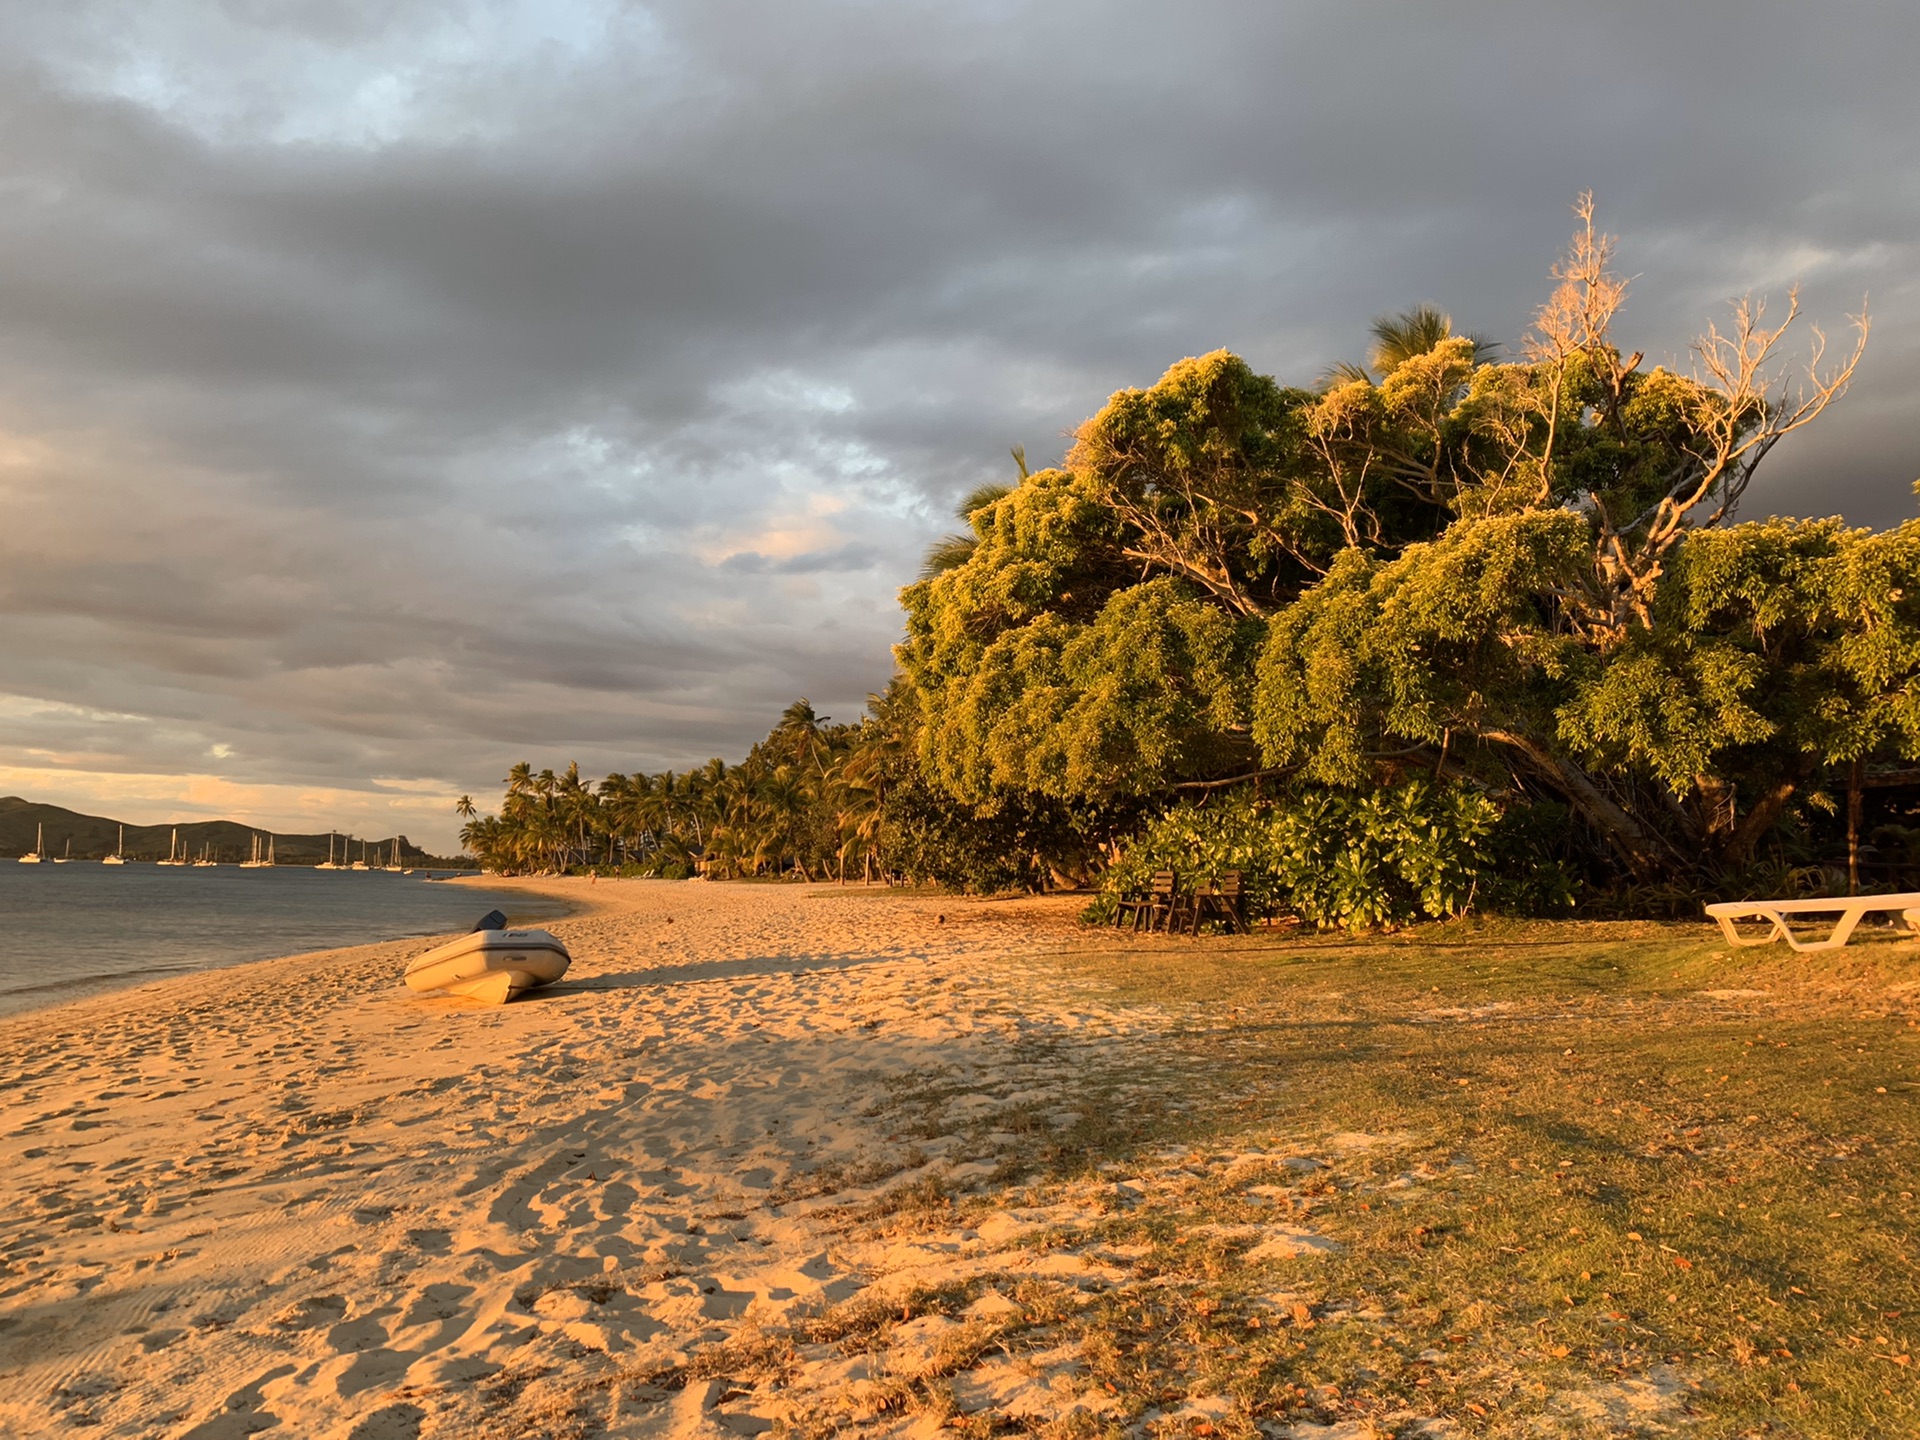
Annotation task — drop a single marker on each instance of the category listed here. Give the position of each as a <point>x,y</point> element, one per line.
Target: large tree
<point>1523,573</point>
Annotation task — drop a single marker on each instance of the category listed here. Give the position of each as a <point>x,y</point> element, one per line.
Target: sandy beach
<point>295,1197</point>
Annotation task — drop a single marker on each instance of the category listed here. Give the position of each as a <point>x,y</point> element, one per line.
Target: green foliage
<point>1509,578</point>
<point>1518,573</point>
<point>1668,706</point>
<point>1833,615</point>
<point>1150,690</point>
<point>1780,645</point>
<point>1453,632</point>
<point>930,838</point>
<point>1200,843</point>
<point>815,800</point>
<point>1536,856</point>
<point>1343,859</point>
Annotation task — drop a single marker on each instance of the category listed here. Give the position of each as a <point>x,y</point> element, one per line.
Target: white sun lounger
<point>1846,910</point>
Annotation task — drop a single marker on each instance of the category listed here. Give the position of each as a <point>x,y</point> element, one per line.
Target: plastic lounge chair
<point>1847,912</point>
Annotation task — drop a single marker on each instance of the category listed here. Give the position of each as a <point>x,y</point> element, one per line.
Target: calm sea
<point>74,929</point>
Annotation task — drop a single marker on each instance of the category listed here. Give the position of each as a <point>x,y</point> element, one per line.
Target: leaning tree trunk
<point>1762,815</point>
<point>1647,854</point>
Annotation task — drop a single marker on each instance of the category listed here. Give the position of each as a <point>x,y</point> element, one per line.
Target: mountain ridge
<point>93,837</point>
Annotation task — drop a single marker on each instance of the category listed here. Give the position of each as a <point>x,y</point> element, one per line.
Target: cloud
<point>151,799</point>
<point>405,391</point>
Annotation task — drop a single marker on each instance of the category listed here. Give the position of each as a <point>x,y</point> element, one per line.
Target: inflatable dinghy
<point>493,964</point>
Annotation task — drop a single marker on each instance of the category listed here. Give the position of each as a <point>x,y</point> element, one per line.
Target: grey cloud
<point>839,560</point>
<point>406,390</point>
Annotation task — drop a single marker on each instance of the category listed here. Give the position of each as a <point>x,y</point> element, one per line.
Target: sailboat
<point>259,861</point>
<point>67,857</point>
<point>396,855</point>
<point>119,856</point>
<point>361,863</point>
<point>206,855</point>
<point>33,856</point>
<point>175,856</point>
<point>330,863</point>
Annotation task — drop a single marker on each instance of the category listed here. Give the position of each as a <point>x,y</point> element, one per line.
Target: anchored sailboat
<point>361,863</point>
<point>259,861</point>
<point>67,857</point>
<point>329,863</point>
<point>33,856</point>
<point>119,856</point>
<point>175,855</point>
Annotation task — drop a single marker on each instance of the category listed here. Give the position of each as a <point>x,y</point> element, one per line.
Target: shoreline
<point>883,1166</point>
<point>309,1197</point>
<point>82,990</point>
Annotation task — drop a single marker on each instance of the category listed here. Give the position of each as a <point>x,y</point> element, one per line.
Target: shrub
<point>1347,859</point>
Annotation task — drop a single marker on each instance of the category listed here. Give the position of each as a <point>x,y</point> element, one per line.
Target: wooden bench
<point>1847,911</point>
<point>1157,906</point>
<point>1225,900</point>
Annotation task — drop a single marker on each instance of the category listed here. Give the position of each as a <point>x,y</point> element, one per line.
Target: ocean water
<point>76,929</point>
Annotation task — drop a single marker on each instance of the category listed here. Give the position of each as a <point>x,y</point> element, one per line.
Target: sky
<point>393,392</point>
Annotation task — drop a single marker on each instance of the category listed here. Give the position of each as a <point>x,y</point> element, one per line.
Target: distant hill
<point>93,838</point>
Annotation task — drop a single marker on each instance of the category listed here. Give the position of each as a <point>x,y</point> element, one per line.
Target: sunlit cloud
<point>421,810</point>
<point>407,391</point>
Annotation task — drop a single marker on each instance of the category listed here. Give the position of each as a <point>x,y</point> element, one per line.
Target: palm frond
<point>1344,372</point>
<point>947,553</point>
<point>981,497</point>
<point>1400,338</point>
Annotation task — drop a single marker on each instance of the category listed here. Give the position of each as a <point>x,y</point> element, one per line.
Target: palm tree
<point>704,784</point>
<point>800,730</point>
<point>689,799</point>
<point>577,809</point>
<point>855,791</point>
<point>624,807</point>
<point>950,552</point>
<point>728,840</point>
<point>478,837</point>
<point>1403,337</point>
<point>805,799</point>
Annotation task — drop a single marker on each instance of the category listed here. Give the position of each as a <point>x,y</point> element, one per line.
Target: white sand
<point>295,1197</point>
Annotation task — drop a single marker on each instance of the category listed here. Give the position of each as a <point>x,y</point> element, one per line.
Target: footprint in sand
<point>470,1211</point>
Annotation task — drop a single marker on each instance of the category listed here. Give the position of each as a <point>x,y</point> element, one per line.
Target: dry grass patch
<point>1635,1182</point>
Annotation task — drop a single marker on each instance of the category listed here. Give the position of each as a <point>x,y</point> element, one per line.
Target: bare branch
<point>1739,420</point>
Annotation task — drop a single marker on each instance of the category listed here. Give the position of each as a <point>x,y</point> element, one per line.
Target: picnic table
<point>1165,906</point>
<point>1847,910</point>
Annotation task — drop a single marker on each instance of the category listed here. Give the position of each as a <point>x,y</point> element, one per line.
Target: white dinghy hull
<point>491,966</point>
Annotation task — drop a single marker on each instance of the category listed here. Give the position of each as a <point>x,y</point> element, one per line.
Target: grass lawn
<point>1597,1178</point>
